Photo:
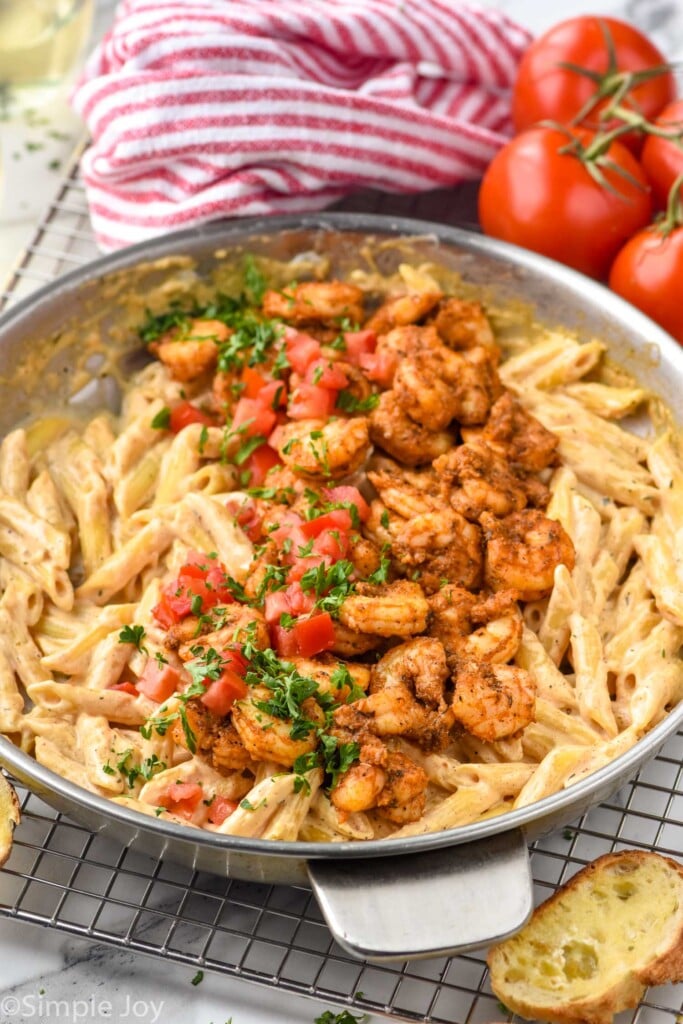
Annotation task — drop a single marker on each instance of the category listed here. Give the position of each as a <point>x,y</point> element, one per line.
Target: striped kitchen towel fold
<point>200,109</point>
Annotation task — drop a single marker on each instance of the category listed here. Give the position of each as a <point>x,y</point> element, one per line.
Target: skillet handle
<point>444,901</point>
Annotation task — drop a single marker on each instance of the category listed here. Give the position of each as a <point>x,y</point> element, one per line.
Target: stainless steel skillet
<point>423,896</point>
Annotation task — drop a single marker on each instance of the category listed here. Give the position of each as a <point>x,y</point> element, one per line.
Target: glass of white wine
<point>41,42</point>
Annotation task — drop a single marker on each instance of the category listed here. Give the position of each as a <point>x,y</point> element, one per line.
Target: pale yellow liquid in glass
<point>41,41</point>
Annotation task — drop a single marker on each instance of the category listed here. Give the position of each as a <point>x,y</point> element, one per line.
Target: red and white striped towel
<point>201,109</point>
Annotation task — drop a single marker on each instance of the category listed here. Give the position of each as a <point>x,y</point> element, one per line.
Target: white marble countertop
<point>48,975</point>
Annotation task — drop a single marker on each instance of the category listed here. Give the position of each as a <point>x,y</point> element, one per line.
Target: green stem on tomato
<point>673,218</point>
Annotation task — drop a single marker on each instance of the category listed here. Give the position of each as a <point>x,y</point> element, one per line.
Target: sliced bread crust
<point>592,948</point>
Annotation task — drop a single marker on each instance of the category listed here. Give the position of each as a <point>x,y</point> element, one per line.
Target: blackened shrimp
<point>402,310</point>
<point>463,325</point>
<point>327,302</point>
<point>407,694</point>
<point>481,481</point>
<point>393,430</point>
<point>493,702</point>
<point>522,552</point>
<point>323,449</point>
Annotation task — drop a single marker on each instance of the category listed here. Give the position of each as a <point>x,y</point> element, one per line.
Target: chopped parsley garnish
<point>248,446</point>
<point>347,402</point>
<point>133,635</point>
<point>255,283</point>
<point>162,420</point>
<point>160,723</point>
<point>380,575</point>
<point>199,977</point>
<point>147,768</point>
<point>158,324</point>
<point>331,585</point>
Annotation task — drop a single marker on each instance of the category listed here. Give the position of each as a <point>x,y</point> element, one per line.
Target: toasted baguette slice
<point>592,948</point>
<point>10,816</point>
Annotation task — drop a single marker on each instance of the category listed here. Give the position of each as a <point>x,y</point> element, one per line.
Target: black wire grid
<point>62,876</point>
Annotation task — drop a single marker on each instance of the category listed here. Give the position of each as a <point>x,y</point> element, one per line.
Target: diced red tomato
<point>301,349</point>
<point>158,681</point>
<point>200,577</point>
<point>337,519</point>
<point>301,565</point>
<point>253,382</point>
<point>308,636</point>
<point>246,516</point>
<point>126,687</point>
<point>284,641</point>
<point>325,374</point>
<point>273,394</point>
<point>165,615</point>
<point>253,417</point>
<point>186,413</point>
<point>314,635</point>
<point>223,692</point>
<point>309,402</point>
<point>276,604</point>
<point>332,544</point>
<point>181,798</point>
<point>345,493</point>
<point>288,520</point>
<point>220,809</point>
<point>379,366</point>
<point>260,462</point>
<point>359,343</point>
<point>234,660</point>
<point>300,601</point>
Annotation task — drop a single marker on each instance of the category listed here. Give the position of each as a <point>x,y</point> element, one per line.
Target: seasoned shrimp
<point>325,302</point>
<point>215,738</point>
<point>463,325</point>
<point>392,429</point>
<point>350,643</point>
<point>402,798</point>
<point>320,449</point>
<point>329,673</point>
<point>191,352</point>
<point>268,738</point>
<point>436,386</point>
<point>455,611</point>
<point>404,492</point>
<point>397,345</point>
<point>365,557</point>
<point>519,436</point>
<point>440,546</point>
<point>358,788</point>
<point>407,694</point>
<point>523,551</point>
<point>419,663</point>
<point>481,480</point>
<point>235,622</point>
<point>403,310</point>
<point>389,609</point>
<point>493,701</point>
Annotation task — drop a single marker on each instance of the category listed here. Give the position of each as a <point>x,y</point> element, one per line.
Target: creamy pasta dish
<point>345,566</point>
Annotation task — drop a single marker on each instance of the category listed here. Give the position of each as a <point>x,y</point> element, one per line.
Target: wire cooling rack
<point>62,876</point>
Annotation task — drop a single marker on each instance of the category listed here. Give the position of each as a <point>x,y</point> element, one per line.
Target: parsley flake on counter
<point>344,1017</point>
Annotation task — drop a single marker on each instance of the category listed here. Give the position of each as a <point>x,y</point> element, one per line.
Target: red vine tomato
<point>582,64</point>
<point>648,271</point>
<point>567,195</point>
<point>662,156</point>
